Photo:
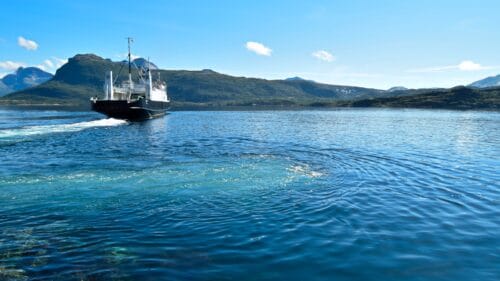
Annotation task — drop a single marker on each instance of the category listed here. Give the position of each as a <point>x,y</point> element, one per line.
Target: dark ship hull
<point>141,109</point>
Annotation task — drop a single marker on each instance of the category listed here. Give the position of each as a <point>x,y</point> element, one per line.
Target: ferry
<point>134,101</point>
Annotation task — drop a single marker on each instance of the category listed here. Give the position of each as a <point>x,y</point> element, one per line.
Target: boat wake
<point>59,128</point>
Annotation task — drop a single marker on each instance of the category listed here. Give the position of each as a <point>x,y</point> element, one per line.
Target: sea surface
<point>250,195</point>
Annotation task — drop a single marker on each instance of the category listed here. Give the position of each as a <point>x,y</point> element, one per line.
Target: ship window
<point>136,96</point>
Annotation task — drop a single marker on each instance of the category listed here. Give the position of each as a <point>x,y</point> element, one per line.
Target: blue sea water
<point>251,195</point>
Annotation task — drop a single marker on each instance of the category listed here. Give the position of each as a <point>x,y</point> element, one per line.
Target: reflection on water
<point>302,195</point>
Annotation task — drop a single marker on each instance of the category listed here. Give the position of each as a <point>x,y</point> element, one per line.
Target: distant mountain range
<point>22,79</point>
<point>83,77</point>
<point>493,81</point>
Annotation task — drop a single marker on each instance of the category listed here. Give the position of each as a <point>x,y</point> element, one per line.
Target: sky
<point>378,44</point>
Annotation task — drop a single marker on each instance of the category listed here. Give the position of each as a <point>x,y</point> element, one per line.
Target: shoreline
<point>72,107</point>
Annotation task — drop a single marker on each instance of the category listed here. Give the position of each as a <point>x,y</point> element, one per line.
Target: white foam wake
<point>59,128</point>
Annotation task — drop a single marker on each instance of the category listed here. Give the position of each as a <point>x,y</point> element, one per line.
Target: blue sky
<point>383,43</point>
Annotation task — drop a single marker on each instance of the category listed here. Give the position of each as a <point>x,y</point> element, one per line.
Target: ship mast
<point>130,40</point>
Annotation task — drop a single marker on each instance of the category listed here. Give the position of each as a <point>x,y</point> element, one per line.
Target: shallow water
<point>287,195</point>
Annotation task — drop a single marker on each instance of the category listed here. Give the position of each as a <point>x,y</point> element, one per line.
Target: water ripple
<point>345,195</point>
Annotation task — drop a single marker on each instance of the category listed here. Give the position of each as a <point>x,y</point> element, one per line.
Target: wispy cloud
<point>11,65</point>
<point>323,55</point>
<point>466,65</point>
<point>58,62</point>
<point>50,65</point>
<point>29,45</point>
<point>42,67</point>
<point>258,48</point>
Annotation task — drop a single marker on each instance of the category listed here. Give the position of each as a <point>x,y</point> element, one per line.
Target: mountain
<point>397,88</point>
<point>142,63</point>
<point>23,78</point>
<point>493,81</point>
<point>4,89</point>
<point>455,98</point>
<point>83,76</point>
<point>296,78</point>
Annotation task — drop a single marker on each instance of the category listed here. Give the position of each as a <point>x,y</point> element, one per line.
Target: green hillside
<point>83,76</point>
<point>454,98</point>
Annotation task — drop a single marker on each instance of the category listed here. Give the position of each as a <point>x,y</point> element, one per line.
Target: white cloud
<point>258,48</point>
<point>323,55</point>
<point>27,44</point>
<point>52,64</point>
<point>466,65</point>
<point>41,66</point>
<point>48,63</point>
<point>59,62</point>
<point>11,65</point>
